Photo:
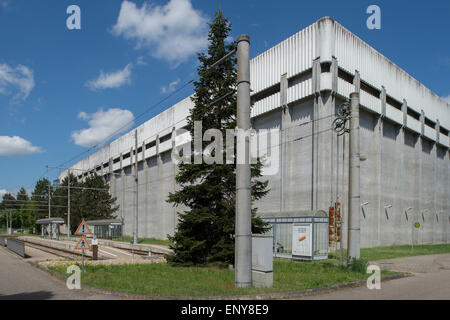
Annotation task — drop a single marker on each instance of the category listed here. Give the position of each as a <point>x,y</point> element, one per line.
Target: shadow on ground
<point>38,295</point>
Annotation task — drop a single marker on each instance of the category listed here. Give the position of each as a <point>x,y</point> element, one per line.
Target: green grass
<point>381,253</point>
<point>161,279</point>
<point>144,240</point>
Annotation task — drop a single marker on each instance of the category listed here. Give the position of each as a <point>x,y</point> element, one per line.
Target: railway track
<point>56,251</point>
<point>72,255</point>
<point>141,252</point>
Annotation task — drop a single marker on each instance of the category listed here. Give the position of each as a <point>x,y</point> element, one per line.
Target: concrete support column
<point>420,172</point>
<point>354,200</point>
<point>144,217</point>
<point>399,215</point>
<point>435,226</point>
<point>284,137</point>
<point>122,178</point>
<point>159,208</point>
<point>175,172</point>
<point>334,70</point>
<point>447,208</point>
<point>112,178</point>
<point>379,184</point>
<point>357,82</point>
<point>243,232</point>
<point>316,72</point>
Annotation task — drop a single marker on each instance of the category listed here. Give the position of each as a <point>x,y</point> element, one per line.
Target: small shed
<point>50,227</point>
<point>106,229</point>
<point>300,235</point>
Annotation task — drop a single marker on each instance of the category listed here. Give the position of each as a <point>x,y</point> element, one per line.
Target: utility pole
<point>135,237</point>
<point>49,212</point>
<point>7,222</point>
<point>68,203</point>
<point>243,239</point>
<point>10,222</point>
<point>68,197</point>
<point>354,200</point>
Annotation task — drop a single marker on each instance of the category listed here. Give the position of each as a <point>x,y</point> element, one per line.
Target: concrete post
<point>175,173</point>
<point>49,202</point>
<point>68,203</point>
<point>145,173</point>
<point>357,82</point>
<point>379,134</point>
<point>316,72</point>
<point>122,210</point>
<point>243,240</point>
<point>285,121</point>
<point>136,199</point>
<point>354,200</point>
<point>399,237</point>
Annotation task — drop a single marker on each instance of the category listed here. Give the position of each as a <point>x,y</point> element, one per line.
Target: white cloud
<point>102,124</point>
<point>16,146</point>
<point>173,32</point>
<point>140,61</point>
<point>447,98</point>
<point>19,79</point>
<point>2,193</point>
<point>171,87</point>
<point>111,80</point>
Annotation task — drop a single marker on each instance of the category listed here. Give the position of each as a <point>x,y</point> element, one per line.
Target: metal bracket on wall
<point>386,211</point>
<point>362,209</point>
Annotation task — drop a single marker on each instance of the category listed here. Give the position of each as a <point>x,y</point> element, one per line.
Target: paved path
<point>20,280</point>
<point>430,281</point>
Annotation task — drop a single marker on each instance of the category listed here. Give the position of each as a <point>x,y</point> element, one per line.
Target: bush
<point>358,265</point>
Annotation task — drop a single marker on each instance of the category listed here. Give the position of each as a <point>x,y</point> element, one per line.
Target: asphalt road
<point>430,281</point>
<point>19,280</point>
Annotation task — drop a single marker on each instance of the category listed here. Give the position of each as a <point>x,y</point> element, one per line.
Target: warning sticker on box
<point>301,240</point>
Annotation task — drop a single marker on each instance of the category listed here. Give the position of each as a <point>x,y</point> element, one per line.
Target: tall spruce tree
<point>205,232</point>
<point>92,203</point>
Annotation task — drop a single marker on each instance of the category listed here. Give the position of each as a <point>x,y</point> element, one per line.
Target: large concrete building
<point>297,86</point>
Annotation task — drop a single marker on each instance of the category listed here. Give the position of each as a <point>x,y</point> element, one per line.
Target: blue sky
<point>62,90</point>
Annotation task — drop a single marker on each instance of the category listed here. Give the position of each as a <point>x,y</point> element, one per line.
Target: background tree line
<point>89,199</point>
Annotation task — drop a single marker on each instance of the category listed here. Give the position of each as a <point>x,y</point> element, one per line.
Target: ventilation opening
<point>393,102</point>
<point>430,123</point>
<point>413,113</point>
<point>150,145</point>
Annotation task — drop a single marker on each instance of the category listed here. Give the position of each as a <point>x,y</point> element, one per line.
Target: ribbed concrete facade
<point>297,86</point>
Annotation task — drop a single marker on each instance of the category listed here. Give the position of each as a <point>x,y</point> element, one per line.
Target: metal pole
<point>354,201</point>
<point>68,203</point>
<point>135,238</point>
<point>243,240</point>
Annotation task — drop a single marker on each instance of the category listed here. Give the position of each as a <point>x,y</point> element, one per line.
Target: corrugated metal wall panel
<point>265,105</point>
<point>299,91</point>
<point>292,56</point>
<point>354,54</point>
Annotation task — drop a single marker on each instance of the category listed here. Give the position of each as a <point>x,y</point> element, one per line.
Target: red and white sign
<point>83,244</point>
<point>83,229</point>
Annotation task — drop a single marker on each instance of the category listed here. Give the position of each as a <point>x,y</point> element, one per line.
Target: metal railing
<point>16,246</point>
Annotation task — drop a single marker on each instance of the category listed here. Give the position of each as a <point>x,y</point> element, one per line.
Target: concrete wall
<point>407,166</point>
